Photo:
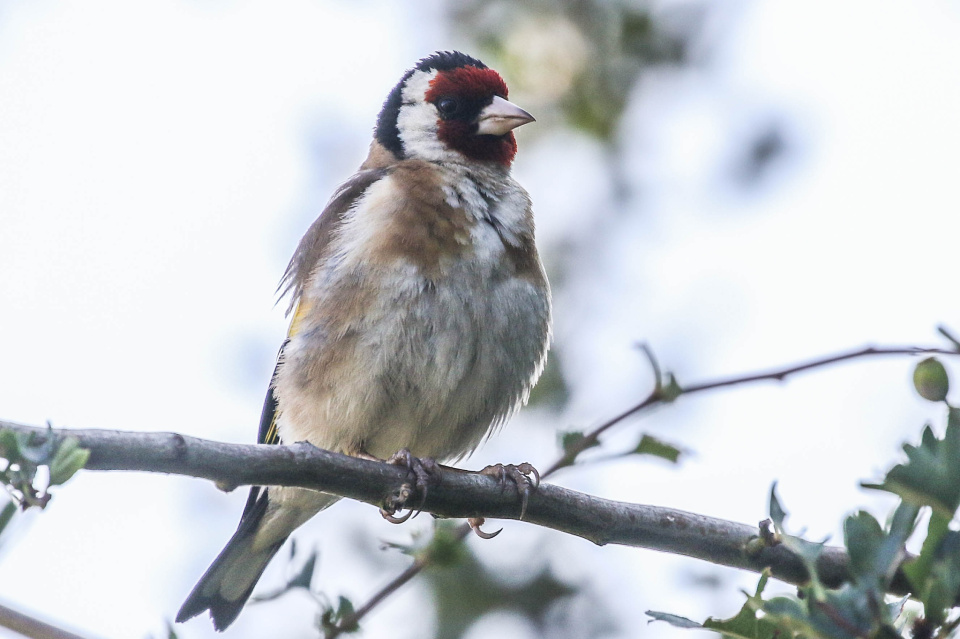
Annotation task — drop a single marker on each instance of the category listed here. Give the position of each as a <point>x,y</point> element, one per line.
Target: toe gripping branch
<point>523,476</point>
<point>423,473</point>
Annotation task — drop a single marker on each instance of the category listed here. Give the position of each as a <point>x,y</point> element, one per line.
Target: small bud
<point>930,380</point>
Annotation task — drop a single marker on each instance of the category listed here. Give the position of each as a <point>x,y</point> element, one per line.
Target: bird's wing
<point>305,258</point>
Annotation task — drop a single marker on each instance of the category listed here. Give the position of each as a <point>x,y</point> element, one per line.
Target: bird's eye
<point>448,106</point>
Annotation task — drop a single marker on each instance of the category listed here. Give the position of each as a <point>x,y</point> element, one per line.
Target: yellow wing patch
<point>272,436</point>
<point>303,308</point>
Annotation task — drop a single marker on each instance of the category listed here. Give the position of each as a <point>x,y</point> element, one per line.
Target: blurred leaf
<point>875,554</point>
<point>68,459</point>
<point>571,441</point>
<point>9,445</point>
<point>303,578</point>
<point>919,568</point>
<point>466,590</point>
<point>331,618</point>
<point>930,379</point>
<point>445,547</point>
<point>652,446</point>
<point>9,510</point>
<point>673,620</point>
<point>36,450</point>
<point>746,624</point>
<point>931,476</point>
<point>808,551</point>
<point>863,536</point>
<point>765,147</point>
<point>583,57</point>
<point>935,573</point>
<point>777,513</point>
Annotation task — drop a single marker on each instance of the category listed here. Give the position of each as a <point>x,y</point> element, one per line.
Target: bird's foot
<point>423,473</point>
<point>524,476</point>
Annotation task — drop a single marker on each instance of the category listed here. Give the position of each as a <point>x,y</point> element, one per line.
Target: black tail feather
<point>207,594</point>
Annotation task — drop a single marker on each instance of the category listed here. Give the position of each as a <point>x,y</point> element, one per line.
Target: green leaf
<point>465,590</point>
<point>930,379</point>
<point>9,445</point>
<point>777,513</point>
<point>863,537</point>
<point>331,618</point>
<point>35,449</point>
<point>303,578</point>
<point>68,459</point>
<point>573,443</point>
<point>746,624</point>
<point>674,620</point>
<point>935,574</point>
<point>9,510</point>
<point>918,569</point>
<point>931,476</point>
<point>445,548</point>
<point>808,551</point>
<point>652,446</point>
<point>875,554</point>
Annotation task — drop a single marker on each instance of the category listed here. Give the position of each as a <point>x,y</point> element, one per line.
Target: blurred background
<point>738,185</point>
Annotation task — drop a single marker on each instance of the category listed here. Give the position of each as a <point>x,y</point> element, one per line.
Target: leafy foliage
<point>860,607</point>
<point>593,51</point>
<point>465,590</point>
<point>931,476</point>
<point>23,455</point>
<point>650,445</point>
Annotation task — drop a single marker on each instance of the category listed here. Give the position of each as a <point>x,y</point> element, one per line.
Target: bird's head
<point>450,108</point>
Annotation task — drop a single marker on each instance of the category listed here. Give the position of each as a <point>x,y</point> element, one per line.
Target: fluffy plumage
<point>422,311</point>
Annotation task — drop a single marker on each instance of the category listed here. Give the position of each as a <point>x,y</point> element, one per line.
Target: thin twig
<point>31,627</point>
<point>421,562</point>
<point>656,397</point>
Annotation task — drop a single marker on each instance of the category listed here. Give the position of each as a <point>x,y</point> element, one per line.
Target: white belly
<point>431,367</point>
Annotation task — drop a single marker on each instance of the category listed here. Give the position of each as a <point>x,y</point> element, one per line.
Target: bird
<point>420,309</point>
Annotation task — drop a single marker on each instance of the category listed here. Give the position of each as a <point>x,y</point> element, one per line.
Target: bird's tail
<point>228,582</point>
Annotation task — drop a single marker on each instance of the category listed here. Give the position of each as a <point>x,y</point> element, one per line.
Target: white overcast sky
<point>159,160</point>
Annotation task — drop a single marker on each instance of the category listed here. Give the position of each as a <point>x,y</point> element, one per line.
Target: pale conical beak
<point>501,117</point>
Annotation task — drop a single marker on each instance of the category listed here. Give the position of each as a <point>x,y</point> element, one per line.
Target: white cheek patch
<point>417,121</point>
<point>417,85</point>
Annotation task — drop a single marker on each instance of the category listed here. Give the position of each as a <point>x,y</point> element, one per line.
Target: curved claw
<point>475,524</point>
<point>389,516</point>
<point>528,469</point>
<point>425,472</point>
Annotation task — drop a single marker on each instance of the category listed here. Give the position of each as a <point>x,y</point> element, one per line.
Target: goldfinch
<point>421,311</point>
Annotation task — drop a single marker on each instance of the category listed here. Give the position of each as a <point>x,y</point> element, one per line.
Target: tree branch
<point>462,495</point>
<point>601,521</point>
<point>32,627</point>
